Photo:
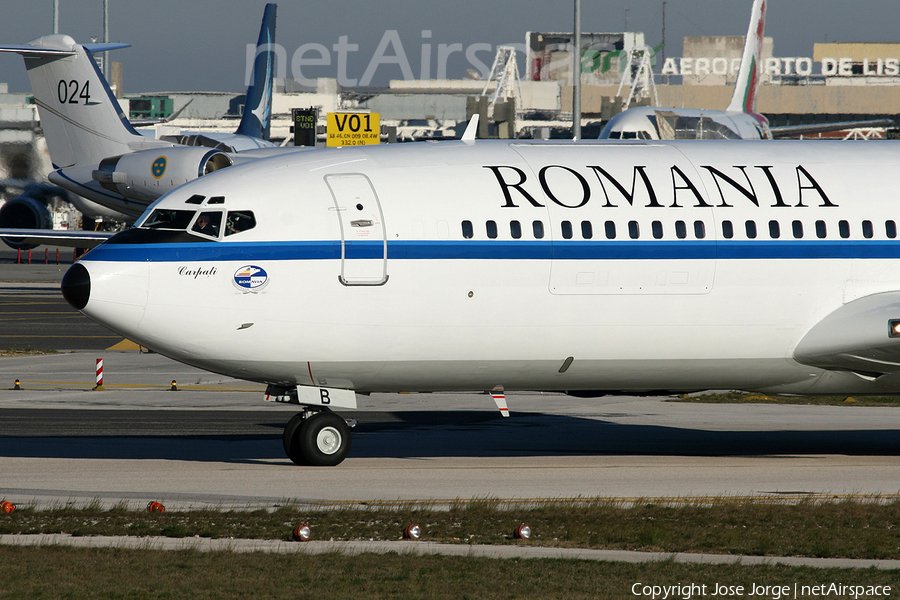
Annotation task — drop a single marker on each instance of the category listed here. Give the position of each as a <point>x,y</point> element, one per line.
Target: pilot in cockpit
<point>206,225</point>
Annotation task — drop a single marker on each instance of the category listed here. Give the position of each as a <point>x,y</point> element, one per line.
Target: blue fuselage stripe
<point>497,250</point>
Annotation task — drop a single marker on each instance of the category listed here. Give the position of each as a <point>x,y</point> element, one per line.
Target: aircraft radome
<point>584,267</point>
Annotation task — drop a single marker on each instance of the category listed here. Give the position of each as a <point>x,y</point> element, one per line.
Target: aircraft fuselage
<point>555,266</point>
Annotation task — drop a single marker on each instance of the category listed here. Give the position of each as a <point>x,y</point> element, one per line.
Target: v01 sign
<point>353,129</point>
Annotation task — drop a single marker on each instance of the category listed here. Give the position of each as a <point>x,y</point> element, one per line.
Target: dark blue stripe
<point>496,249</point>
<point>809,249</point>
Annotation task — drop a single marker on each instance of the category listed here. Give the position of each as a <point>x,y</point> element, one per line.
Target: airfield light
<point>412,532</point>
<point>302,533</point>
<point>156,507</point>
<point>894,328</point>
<point>523,532</point>
<point>7,506</point>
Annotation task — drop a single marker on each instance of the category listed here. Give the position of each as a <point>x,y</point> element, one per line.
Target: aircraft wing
<point>786,131</point>
<point>53,237</point>
<point>862,336</point>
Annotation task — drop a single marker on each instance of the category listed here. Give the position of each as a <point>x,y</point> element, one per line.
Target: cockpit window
<point>208,223</point>
<point>238,221</point>
<point>163,218</point>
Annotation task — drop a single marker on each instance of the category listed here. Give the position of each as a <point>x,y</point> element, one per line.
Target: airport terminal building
<point>836,82</point>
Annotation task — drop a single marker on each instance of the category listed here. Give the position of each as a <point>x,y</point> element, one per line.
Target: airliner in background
<point>738,121</point>
<point>98,155</point>
<point>583,267</point>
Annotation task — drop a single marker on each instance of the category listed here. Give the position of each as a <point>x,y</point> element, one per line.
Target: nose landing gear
<point>317,438</point>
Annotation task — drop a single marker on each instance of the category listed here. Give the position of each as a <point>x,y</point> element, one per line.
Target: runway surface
<point>33,313</point>
<point>215,443</point>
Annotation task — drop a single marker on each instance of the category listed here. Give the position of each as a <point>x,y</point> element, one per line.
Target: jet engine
<point>148,174</point>
<point>24,212</point>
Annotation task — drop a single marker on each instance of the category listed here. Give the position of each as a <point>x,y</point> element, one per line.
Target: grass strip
<point>756,398</point>
<point>56,572</point>
<point>15,352</point>
<point>850,528</point>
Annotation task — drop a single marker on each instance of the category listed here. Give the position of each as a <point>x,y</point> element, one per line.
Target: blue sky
<point>181,45</point>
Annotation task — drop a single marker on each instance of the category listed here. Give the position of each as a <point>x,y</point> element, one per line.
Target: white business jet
<point>98,155</point>
<point>585,267</point>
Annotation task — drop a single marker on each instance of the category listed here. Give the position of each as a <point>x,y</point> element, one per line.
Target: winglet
<point>257,115</point>
<point>471,131</point>
<point>744,98</point>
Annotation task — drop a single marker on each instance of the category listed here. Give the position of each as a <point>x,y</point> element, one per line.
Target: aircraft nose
<point>76,286</point>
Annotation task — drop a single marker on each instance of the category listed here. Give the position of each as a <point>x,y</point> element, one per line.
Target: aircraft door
<point>363,238</point>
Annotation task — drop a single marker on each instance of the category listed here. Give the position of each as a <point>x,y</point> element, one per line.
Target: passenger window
<point>238,221</point>
<point>657,229</point>
<point>868,232</point>
<point>587,230</point>
<point>699,230</point>
<point>727,230</point>
<point>680,230</point>
<point>844,229</point>
<point>467,230</point>
<point>774,230</point>
<point>566,227</point>
<point>751,229</point>
<point>610,230</point>
<point>821,230</point>
<point>491,227</point>
<point>797,229</point>
<point>208,223</point>
<point>890,229</point>
<point>538,228</point>
<point>634,230</point>
<point>515,229</point>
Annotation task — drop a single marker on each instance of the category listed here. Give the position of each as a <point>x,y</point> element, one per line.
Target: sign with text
<point>353,129</point>
<point>304,126</point>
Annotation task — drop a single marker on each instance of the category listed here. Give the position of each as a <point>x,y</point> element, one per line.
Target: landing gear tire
<point>319,440</point>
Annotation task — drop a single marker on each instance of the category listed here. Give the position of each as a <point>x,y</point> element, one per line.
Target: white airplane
<point>586,267</point>
<point>98,155</point>
<point>738,121</point>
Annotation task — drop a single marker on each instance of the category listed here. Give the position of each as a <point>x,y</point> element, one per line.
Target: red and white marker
<point>99,386</point>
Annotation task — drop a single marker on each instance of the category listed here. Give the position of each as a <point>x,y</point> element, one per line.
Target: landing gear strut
<point>317,438</point>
